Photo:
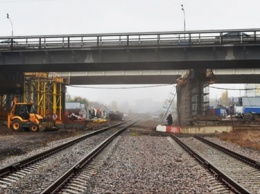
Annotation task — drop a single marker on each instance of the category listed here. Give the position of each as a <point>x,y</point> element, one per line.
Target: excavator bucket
<point>48,126</point>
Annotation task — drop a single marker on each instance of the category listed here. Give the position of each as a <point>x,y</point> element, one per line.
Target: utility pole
<point>182,8</point>
<point>8,17</point>
<point>184,22</point>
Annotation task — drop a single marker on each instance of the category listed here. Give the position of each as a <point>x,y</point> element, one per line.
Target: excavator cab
<point>23,110</point>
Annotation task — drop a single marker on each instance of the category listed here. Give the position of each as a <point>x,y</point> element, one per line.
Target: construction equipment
<point>22,116</point>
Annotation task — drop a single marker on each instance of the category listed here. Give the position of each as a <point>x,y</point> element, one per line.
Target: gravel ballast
<point>137,164</point>
<point>145,164</point>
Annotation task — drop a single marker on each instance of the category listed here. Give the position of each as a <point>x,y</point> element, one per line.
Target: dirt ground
<point>19,143</point>
<point>246,136</point>
<point>243,136</point>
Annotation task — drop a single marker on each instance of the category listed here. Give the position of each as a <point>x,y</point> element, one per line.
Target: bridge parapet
<point>212,49</point>
<point>135,39</point>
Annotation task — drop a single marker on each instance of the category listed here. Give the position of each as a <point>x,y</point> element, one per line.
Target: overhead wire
<point>232,88</point>
<point>109,88</point>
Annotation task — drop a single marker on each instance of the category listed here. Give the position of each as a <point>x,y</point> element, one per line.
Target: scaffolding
<point>46,91</point>
<point>199,99</point>
<point>170,105</point>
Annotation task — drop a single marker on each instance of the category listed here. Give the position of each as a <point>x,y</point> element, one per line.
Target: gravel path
<point>145,164</point>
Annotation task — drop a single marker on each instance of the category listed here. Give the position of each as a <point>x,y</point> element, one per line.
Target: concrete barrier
<point>168,129</point>
<point>194,130</point>
<point>206,129</point>
<point>161,128</point>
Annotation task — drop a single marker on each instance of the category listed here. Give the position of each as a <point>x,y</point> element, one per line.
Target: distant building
<point>252,90</point>
<point>251,100</point>
<point>74,105</point>
<point>75,109</point>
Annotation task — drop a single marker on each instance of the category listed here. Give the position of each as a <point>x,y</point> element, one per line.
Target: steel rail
<point>219,174</point>
<point>58,184</point>
<point>27,161</point>
<point>238,156</point>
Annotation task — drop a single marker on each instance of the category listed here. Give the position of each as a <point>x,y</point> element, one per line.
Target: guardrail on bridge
<point>135,39</point>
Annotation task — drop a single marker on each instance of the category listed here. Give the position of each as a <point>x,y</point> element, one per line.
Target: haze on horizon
<point>137,98</point>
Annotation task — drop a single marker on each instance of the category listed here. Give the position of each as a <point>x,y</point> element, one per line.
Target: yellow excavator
<point>21,117</point>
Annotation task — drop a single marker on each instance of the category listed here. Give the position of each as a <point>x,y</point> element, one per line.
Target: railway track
<point>37,171</point>
<point>49,175</point>
<point>74,180</point>
<point>239,173</point>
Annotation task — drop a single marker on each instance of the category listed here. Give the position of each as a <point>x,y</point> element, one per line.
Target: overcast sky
<point>31,17</point>
<point>42,17</point>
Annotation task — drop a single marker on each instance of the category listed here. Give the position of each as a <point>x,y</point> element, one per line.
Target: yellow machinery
<point>22,116</point>
<point>44,92</point>
<point>99,120</point>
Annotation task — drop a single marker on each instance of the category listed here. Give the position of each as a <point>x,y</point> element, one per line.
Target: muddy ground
<point>19,143</point>
<point>243,136</point>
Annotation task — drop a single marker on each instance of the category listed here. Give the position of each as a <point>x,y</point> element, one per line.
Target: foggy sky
<point>34,17</point>
<point>43,17</point>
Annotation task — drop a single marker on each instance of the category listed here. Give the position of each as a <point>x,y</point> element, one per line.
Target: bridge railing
<point>142,39</point>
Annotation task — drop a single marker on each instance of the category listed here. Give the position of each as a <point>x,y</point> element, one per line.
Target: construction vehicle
<point>22,116</point>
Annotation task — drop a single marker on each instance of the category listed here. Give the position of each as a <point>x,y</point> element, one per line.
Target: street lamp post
<point>182,8</point>
<point>8,17</point>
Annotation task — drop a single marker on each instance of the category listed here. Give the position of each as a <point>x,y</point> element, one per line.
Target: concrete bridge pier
<point>192,95</point>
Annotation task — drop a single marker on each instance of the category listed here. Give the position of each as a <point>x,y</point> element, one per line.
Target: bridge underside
<point>102,80</point>
<point>152,58</point>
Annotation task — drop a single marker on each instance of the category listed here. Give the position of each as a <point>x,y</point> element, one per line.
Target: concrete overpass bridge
<point>208,49</point>
<point>229,50</point>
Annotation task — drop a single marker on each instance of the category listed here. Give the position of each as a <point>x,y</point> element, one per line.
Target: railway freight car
<point>115,116</point>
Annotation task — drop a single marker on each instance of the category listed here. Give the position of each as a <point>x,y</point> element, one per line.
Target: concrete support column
<point>190,96</point>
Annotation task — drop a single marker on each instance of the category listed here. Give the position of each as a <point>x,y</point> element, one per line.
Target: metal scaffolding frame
<point>47,94</point>
<point>170,105</point>
<point>5,105</point>
<point>46,91</point>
